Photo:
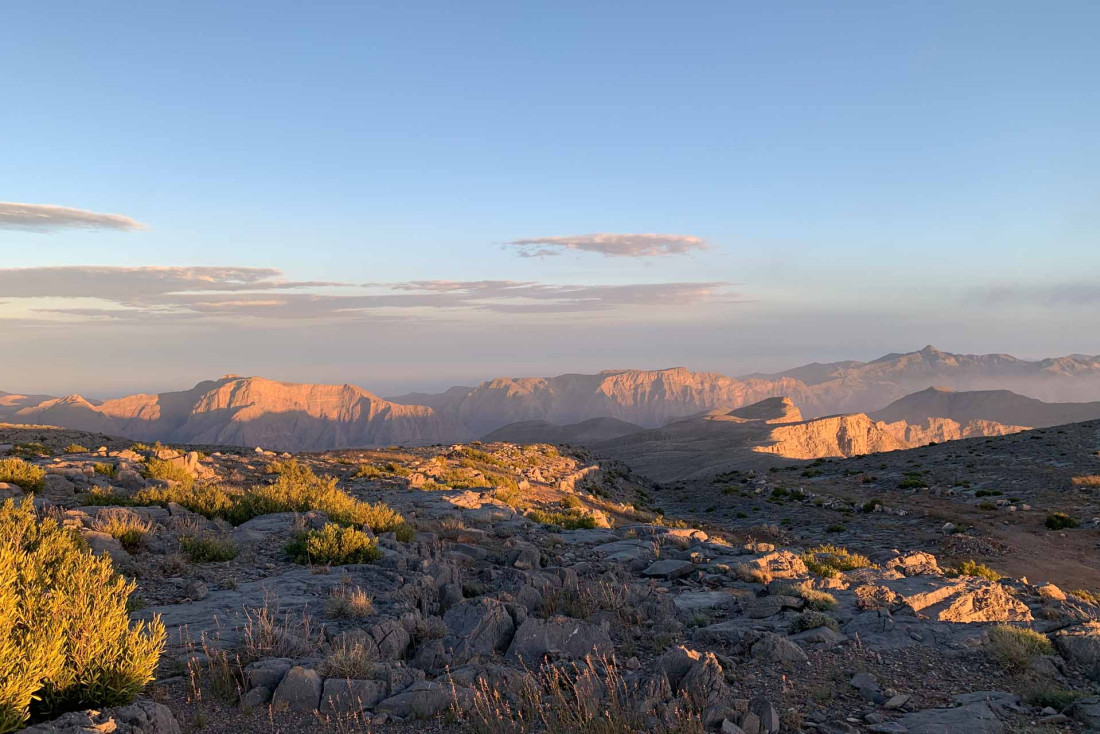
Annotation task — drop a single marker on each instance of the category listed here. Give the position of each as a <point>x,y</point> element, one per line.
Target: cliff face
<point>252,411</point>
<point>649,398</point>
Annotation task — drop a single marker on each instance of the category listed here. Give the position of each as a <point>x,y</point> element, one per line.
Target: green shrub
<point>75,448</point>
<point>32,450</point>
<point>209,549</point>
<point>296,490</point>
<point>160,469</point>
<point>368,471</point>
<point>973,568</point>
<point>208,500</point>
<point>835,528</point>
<point>1060,521</point>
<point>104,496</point>
<point>125,526</point>
<point>19,472</point>
<point>1017,646</point>
<point>828,560</point>
<point>812,620</point>
<point>405,532</point>
<point>66,642</point>
<point>104,469</point>
<point>571,520</point>
<point>333,545</point>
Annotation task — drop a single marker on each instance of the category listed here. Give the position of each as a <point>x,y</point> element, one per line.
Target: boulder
<point>300,690</point>
<point>777,649</point>
<point>558,637</point>
<point>669,569</point>
<point>344,696</point>
<point>972,718</point>
<point>141,717</point>
<point>425,699</point>
<point>478,627</point>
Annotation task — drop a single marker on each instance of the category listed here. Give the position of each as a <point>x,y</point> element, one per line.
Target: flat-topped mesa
<point>771,410</point>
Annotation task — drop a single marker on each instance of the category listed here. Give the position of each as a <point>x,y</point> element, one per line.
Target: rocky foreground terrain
<point>506,588</point>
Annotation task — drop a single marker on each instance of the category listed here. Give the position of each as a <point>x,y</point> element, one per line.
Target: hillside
<point>1001,406</point>
<point>252,411</point>
<point>577,434</point>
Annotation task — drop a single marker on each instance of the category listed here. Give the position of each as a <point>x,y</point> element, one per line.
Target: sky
<point>413,195</point>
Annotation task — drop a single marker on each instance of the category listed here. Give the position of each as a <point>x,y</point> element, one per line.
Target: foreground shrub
<point>1017,646</point>
<point>19,472</point>
<point>1060,521</point>
<point>66,642</point>
<point>333,545</point>
<point>569,520</point>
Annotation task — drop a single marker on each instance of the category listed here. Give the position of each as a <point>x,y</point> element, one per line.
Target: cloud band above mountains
<point>49,218</point>
<point>611,245</point>
<point>131,294</point>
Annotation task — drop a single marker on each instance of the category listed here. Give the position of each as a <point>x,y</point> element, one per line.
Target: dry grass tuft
<point>1017,646</point>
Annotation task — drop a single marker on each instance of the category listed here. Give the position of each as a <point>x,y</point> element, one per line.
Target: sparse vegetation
<point>32,450</point>
<point>973,568</point>
<point>350,658</point>
<point>104,469</point>
<point>333,545</point>
<point>1091,480</point>
<point>22,474</point>
<point>67,642</point>
<point>75,448</point>
<point>1017,646</point>
<point>349,602</point>
<point>297,489</point>
<point>104,496</point>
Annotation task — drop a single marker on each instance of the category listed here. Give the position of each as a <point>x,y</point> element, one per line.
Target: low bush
<point>828,560</point>
<point>160,469</point>
<point>75,448</point>
<point>208,548</point>
<point>127,527</point>
<point>1091,480</point>
<point>1017,646</point>
<point>973,568</point>
<point>349,602</point>
<point>812,620</point>
<point>104,469</point>
<point>103,497</point>
<point>1060,521</point>
<point>570,520</point>
<point>208,500</point>
<point>19,472</point>
<point>32,450</point>
<point>333,545</point>
<point>67,642</point>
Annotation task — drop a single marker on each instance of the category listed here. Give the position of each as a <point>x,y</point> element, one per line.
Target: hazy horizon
<point>333,193</point>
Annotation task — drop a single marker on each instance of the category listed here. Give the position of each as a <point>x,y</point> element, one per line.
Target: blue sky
<point>872,176</point>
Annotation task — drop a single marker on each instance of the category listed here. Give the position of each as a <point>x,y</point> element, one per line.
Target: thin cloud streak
<point>611,245</point>
<point>49,218</point>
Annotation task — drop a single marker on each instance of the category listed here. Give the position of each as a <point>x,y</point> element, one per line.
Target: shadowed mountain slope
<point>1001,406</point>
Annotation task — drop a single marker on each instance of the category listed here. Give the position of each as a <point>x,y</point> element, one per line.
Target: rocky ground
<point>543,588</point>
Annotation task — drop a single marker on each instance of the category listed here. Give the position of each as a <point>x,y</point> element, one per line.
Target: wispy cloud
<point>611,245</point>
<point>49,218</point>
<point>130,294</point>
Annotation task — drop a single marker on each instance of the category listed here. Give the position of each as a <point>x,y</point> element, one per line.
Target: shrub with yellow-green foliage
<point>569,520</point>
<point>973,568</point>
<point>104,469</point>
<point>66,642</point>
<point>125,526</point>
<point>160,469</point>
<point>829,560</point>
<point>333,545</point>
<point>19,472</point>
<point>75,448</point>
<point>297,489</point>
<point>32,450</point>
<point>1017,646</point>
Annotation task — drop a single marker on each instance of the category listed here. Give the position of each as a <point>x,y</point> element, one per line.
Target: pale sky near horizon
<point>412,195</point>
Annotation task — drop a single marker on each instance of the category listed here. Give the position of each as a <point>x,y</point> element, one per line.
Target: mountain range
<point>251,411</point>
